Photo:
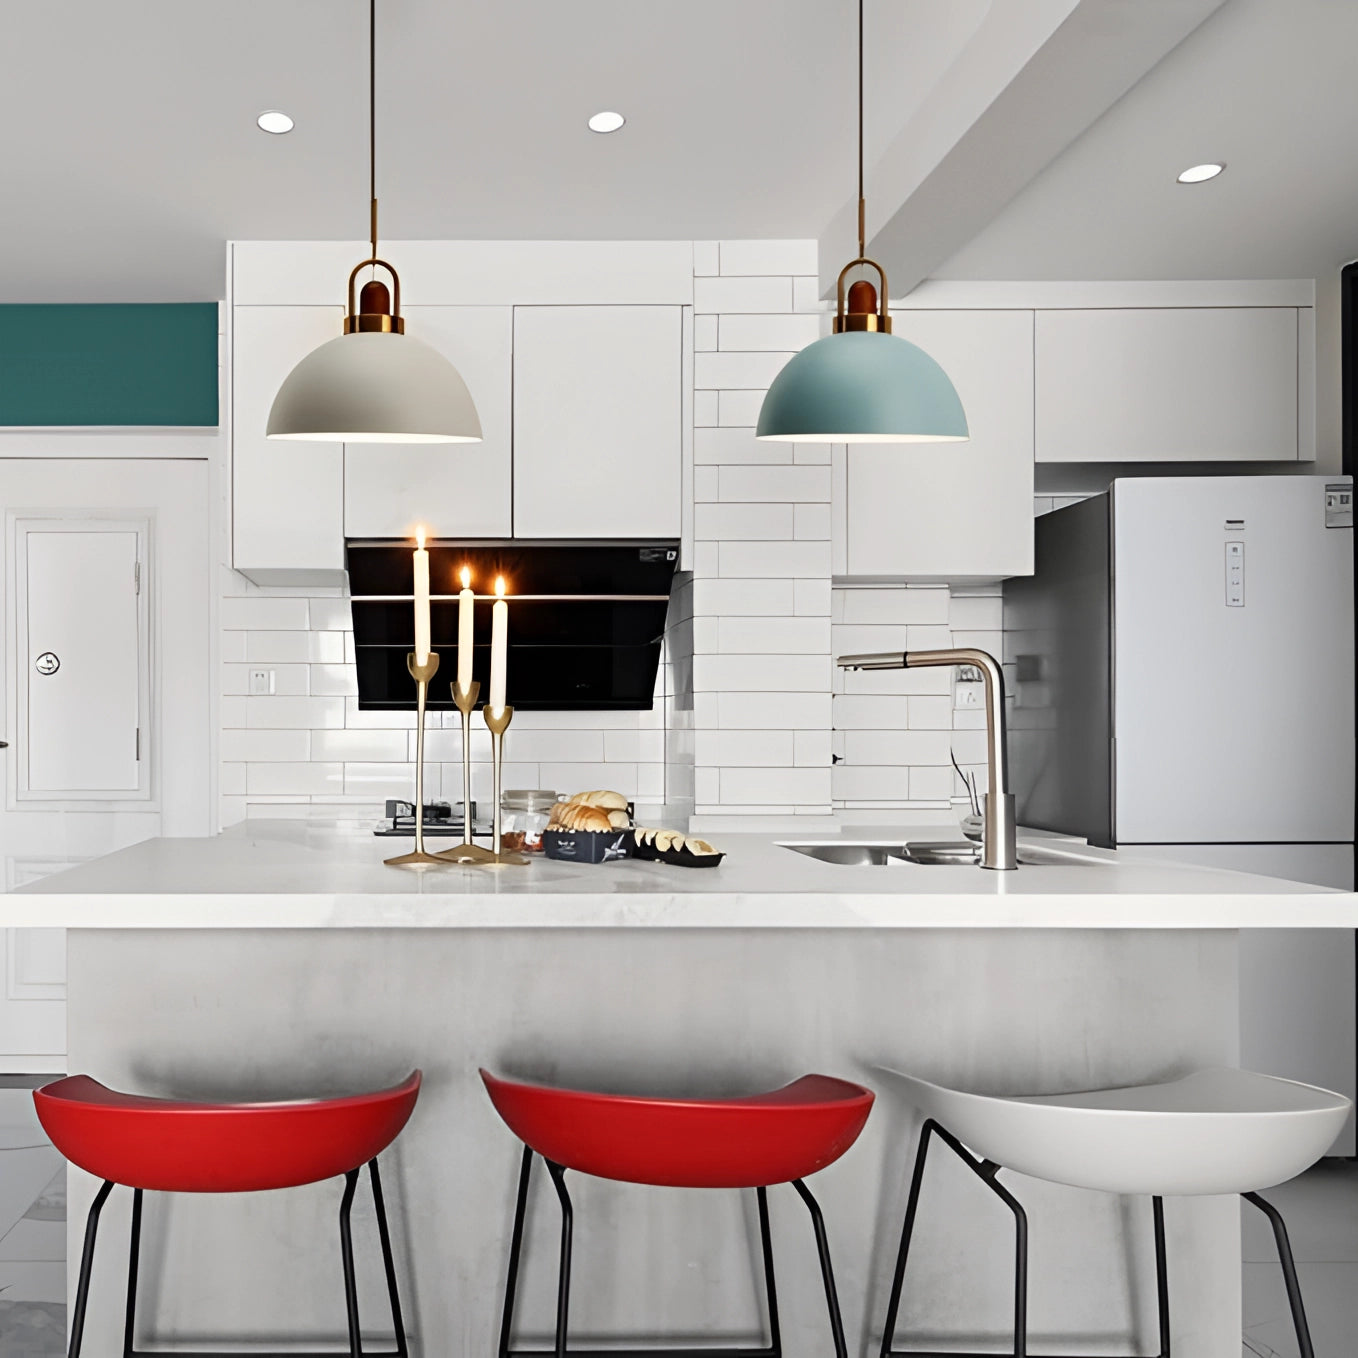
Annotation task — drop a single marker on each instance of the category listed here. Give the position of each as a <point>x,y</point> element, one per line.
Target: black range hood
<point>586,620</point>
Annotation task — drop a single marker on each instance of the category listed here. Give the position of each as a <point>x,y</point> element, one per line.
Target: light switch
<point>1235,574</point>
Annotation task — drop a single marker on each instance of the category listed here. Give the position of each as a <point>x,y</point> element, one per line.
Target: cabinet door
<point>597,421</point>
<point>1190,384</point>
<point>287,497</point>
<point>452,489</point>
<point>953,511</point>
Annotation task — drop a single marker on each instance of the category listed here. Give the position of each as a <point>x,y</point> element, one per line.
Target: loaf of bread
<point>576,817</point>
<point>601,797</point>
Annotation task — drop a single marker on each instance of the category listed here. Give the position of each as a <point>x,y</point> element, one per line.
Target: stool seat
<point>749,1142</point>
<point>1213,1131</point>
<point>180,1146</point>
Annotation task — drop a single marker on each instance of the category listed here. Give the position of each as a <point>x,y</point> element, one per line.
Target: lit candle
<point>421,600</point>
<point>499,643</point>
<point>466,607</point>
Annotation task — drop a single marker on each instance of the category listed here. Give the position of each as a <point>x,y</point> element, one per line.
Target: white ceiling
<point>132,155</point>
<point>1265,85</point>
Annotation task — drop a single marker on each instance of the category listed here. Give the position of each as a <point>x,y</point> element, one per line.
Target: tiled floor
<point>32,1231</point>
<point>1321,1210</point>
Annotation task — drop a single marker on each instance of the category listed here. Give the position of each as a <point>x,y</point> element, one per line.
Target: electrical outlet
<point>968,689</point>
<point>262,682</point>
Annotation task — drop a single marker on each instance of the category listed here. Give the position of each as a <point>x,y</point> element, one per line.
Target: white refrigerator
<point>1181,684</point>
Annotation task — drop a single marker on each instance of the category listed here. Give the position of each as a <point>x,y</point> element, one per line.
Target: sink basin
<point>944,853</point>
<point>851,855</point>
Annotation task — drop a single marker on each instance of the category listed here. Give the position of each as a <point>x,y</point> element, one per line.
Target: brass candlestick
<point>498,722</point>
<point>467,852</point>
<point>421,674</point>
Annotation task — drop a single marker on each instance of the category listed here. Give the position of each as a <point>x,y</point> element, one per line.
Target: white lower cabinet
<point>287,496</point>
<point>951,511</point>
<point>1165,384</point>
<point>451,489</point>
<point>598,429</point>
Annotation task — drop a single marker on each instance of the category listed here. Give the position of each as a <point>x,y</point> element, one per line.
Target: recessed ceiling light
<point>606,122</point>
<point>272,120</point>
<point>1200,174</point>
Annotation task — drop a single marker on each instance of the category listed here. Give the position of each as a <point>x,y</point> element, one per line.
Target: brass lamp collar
<point>379,322</point>
<point>879,320</point>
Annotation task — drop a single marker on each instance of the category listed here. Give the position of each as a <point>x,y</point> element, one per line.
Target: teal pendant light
<point>862,384</point>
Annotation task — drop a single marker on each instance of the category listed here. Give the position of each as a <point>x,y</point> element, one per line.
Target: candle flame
<point>419,538</point>
<point>466,578</point>
<point>499,587</point>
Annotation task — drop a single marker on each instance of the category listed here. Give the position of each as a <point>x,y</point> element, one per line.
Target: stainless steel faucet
<point>999,848</point>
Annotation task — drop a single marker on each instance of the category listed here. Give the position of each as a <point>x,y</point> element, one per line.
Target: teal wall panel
<point>133,364</point>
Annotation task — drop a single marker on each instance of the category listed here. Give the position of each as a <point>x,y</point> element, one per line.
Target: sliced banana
<point>700,848</point>
<point>663,839</point>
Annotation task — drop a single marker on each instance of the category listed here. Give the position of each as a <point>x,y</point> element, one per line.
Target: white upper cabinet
<point>452,489</point>
<point>598,399</point>
<point>951,510</point>
<point>287,507</point>
<point>1164,384</point>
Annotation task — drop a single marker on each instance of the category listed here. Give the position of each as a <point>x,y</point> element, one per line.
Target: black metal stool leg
<point>986,1171</point>
<point>1161,1275</point>
<point>563,1287</point>
<point>82,1291</point>
<point>770,1287</point>
<point>347,1259</point>
<point>388,1261</point>
<point>1289,1272</point>
<point>907,1232</point>
<point>133,1257</point>
<point>826,1272</point>
<point>515,1250</point>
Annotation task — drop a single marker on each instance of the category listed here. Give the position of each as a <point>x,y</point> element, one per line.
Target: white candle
<point>499,643</point>
<point>466,607</point>
<point>421,601</point>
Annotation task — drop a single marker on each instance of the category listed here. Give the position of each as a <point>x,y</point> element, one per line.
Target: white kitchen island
<point>282,958</point>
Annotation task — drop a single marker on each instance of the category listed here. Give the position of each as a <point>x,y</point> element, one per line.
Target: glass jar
<point>525,813</point>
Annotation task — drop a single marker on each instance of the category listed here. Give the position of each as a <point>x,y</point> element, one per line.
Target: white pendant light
<point>374,383</point>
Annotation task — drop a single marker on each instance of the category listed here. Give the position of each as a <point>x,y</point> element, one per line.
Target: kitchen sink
<point>851,855</point>
<point>943,853</point>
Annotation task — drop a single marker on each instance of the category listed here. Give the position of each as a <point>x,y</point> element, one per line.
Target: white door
<point>458,490</point>
<point>598,421</point>
<point>1233,670</point>
<point>287,495</point>
<point>952,511</point>
<point>1166,384</point>
<point>104,662</point>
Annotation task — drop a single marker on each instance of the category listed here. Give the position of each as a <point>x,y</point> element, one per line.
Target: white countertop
<point>289,874</point>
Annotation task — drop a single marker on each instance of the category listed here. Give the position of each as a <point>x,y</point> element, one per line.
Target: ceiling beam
<point>1032,78</point>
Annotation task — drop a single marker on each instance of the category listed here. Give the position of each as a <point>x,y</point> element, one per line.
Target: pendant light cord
<point>372,120</point>
<point>862,243</point>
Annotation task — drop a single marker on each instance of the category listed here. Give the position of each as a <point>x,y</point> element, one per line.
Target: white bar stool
<point>1214,1131</point>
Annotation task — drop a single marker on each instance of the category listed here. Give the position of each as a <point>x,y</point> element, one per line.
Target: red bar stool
<point>176,1146</point>
<point>753,1142</point>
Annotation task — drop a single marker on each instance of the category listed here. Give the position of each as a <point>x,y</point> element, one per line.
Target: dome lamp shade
<point>375,384</point>
<point>862,384</point>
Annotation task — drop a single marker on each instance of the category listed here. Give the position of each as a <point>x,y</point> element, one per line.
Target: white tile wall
<point>761,588</point>
<point>895,730</point>
<point>306,749</point>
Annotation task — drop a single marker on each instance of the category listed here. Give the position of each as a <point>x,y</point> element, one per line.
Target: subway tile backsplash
<point>895,731</point>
